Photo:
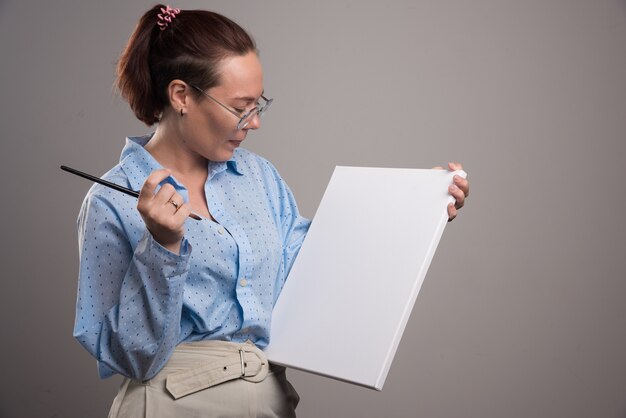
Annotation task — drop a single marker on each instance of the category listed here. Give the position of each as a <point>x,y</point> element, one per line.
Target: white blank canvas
<point>350,292</point>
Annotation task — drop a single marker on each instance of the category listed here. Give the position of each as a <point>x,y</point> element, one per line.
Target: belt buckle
<point>243,363</point>
<point>254,354</point>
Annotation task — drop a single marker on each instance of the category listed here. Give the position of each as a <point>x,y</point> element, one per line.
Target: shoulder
<point>114,175</point>
<point>101,198</point>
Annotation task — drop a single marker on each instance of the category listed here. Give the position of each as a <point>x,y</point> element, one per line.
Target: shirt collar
<point>138,163</point>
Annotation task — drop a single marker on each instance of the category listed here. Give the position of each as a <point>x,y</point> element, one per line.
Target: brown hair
<point>189,49</point>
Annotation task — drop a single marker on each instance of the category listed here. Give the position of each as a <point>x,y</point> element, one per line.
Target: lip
<point>235,142</point>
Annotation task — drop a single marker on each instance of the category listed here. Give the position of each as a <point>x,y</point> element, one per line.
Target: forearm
<point>135,336</point>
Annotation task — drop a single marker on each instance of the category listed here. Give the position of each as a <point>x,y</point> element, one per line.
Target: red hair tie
<point>166,16</point>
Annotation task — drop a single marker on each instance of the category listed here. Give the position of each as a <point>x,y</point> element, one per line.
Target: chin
<point>224,154</point>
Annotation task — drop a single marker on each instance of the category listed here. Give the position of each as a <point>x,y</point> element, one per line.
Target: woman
<point>180,306</point>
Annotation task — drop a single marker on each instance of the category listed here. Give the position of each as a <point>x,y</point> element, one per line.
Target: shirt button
<point>221,231</point>
<point>243,282</point>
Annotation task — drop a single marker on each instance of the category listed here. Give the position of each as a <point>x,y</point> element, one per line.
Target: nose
<point>255,122</point>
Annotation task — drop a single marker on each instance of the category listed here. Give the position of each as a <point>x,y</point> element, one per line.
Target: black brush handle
<point>99,180</point>
<point>113,186</point>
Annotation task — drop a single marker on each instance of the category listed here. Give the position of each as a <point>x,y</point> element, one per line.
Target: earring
<point>181,111</point>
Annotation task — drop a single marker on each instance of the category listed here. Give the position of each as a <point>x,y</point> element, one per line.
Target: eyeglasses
<point>245,118</point>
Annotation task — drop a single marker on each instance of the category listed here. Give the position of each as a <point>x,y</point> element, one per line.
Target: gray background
<point>522,313</point>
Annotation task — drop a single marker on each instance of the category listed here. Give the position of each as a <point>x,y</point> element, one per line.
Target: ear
<point>178,93</point>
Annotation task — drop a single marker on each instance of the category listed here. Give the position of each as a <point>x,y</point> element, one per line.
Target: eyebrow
<point>248,98</point>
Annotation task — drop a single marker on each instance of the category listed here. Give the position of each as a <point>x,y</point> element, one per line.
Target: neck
<point>170,150</point>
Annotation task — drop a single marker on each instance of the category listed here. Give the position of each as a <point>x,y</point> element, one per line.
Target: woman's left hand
<point>459,189</point>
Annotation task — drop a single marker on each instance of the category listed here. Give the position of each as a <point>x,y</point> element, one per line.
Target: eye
<point>239,110</point>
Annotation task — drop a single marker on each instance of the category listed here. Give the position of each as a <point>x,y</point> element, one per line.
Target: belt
<point>246,362</point>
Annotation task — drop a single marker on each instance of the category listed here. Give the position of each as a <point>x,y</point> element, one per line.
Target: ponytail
<point>133,71</point>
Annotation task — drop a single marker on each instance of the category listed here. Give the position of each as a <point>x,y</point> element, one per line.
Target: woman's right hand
<point>165,220</point>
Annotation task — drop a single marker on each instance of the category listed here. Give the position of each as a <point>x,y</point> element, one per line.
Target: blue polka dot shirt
<point>137,300</point>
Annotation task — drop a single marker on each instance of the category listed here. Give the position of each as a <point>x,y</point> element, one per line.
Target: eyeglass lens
<point>258,110</point>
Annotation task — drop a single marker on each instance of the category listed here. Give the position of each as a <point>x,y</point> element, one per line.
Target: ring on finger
<point>176,205</point>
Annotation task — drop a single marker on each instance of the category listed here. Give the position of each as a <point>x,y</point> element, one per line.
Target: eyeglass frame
<point>259,110</point>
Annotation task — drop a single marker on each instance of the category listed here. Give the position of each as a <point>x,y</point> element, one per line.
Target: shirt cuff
<point>173,264</point>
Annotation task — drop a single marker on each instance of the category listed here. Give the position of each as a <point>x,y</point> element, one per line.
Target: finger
<point>146,194</point>
<point>182,213</point>
<point>175,202</point>
<point>462,184</point>
<point>451,212</point>
<point>172,206</point>
<point>458,195</point>
<point>176,220</point>
<point>151,183</point>
<point>165,193</point>
<point>455,166</point>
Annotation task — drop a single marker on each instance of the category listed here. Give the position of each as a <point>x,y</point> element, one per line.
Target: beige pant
<point>272,397</point>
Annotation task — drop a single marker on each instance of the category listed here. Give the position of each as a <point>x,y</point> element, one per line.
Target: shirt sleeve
<point>294,226</point>
<point>129,300</point>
